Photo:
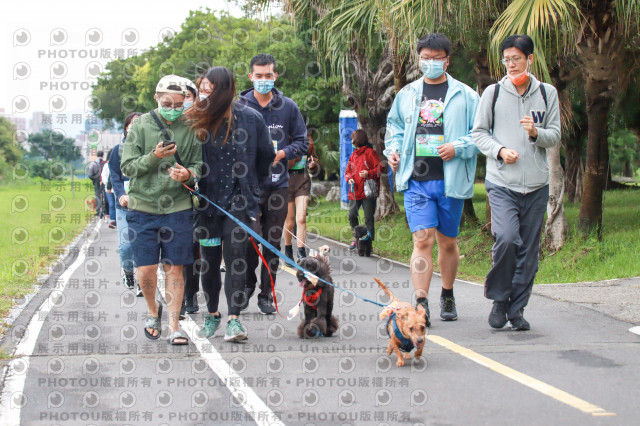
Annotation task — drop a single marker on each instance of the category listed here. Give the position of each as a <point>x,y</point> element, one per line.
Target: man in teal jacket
<point>429,146</point>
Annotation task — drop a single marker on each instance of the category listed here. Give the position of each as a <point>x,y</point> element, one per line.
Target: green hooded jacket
<point>151,189</point>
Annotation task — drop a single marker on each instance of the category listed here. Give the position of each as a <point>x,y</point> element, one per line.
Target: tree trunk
<point>482,74</point>
<point>599,72</point>
<point>386,204</point>
<point>574,170</point>
<point>399,64</point>
<point>469,214</point>
<point>370,90</point>
<point>595,175</point>
<point>483,80</point>
<point>556,228</point>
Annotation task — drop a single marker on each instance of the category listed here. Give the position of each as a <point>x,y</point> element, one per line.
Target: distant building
<point>95,137</point>
<point>38,123</point>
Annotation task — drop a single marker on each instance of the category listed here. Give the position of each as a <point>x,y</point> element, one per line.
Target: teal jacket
<point>460,106</point>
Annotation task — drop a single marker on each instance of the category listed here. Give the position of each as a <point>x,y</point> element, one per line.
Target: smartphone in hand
<point>168,143</point>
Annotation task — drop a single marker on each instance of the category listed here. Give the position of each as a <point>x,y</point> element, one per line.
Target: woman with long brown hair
<point>237,154</point>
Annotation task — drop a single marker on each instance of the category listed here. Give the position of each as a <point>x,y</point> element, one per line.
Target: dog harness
<point>407,345</point>
<point>312,299</point>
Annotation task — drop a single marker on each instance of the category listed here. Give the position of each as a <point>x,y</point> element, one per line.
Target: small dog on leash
<point>317,296</point>
<point>91,204</point>
<point>364,243</point>
<point>406,327</point>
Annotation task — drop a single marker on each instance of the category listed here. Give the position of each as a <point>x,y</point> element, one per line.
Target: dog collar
<point>312,299</point>
<point>367,237</point>
<point>407,345</point>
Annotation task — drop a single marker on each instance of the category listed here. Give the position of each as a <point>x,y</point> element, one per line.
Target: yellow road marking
<point>521,378</point>
<point>535,384</point>
<point>288,269</point>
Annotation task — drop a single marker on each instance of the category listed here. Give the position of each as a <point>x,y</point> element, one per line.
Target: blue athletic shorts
<point>164,238</point>
<point>427,207</point>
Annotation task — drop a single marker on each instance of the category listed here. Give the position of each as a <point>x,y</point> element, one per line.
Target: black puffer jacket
<point>254,156</point>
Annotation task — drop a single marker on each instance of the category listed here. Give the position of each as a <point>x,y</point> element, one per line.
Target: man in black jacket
<point>289,137</point>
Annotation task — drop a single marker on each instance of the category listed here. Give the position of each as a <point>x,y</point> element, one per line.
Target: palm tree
<point>595,32</point>
<point>355,38</point>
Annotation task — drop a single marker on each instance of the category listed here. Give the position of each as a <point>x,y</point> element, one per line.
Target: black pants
<point>191,275</point>
<point>369,207</point>
<point>233,247</point>
<point>101,200</point>
<point>273,212</point>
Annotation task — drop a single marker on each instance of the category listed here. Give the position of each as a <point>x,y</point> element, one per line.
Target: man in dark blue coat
<point>289,138</point>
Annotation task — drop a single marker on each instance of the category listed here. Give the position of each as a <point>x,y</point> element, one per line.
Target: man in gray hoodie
<point>517,120</point>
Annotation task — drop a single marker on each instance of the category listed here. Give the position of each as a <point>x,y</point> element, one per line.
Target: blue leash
<point>281,255</point>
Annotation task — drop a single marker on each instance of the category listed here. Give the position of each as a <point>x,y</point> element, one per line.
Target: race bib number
<point>427,145</point>
<point>210,242</point>
<point>300,164</point>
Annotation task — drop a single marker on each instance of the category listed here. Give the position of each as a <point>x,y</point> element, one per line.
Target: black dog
<point>364,243</point>
<point>317,298</point>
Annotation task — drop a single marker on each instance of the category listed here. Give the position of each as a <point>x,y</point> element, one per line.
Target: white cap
<point>190,84</point>
<point>172,81</point>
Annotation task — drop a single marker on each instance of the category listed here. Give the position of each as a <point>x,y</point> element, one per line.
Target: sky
<point>53,51</point>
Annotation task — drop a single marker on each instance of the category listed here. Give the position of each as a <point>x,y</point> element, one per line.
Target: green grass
<point>40,218</point>
<point>616,256</point>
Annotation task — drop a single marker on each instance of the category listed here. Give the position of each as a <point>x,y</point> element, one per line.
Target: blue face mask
<point>432,69</point>
<point>188,104</point>
<point>263,86</point>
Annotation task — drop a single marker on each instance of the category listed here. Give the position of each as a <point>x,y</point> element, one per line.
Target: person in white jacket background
<point>517,120</point>
<point>109,197</point>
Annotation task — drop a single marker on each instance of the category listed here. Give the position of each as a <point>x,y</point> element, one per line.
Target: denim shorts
<point>427,207</point>
<point>164,238</point>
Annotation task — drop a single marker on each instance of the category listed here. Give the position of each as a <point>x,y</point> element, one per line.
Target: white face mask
<point>202,96</point>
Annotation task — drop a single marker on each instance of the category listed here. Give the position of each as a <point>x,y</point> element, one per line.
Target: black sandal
<point>154,324</point>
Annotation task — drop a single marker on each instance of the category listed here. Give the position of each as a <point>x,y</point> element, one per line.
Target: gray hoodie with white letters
<point>531,171</point>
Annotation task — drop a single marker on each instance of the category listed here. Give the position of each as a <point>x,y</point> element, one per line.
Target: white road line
<point>243,394</point>
<point>635,330</point>
<point>13,398</point>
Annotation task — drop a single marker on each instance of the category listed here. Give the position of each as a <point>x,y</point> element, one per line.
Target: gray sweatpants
<point>516,225</point>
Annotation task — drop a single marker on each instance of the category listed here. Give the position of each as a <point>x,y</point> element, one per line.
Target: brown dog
<point>406,326</point>
<point>91,204</point>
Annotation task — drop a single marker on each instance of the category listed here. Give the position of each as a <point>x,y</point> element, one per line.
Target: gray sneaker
<point>266,307</point>
<point>425,305</point>
<point>448,310</point>
<point>211,324</point>
<point>235,331</point>
<point>520,324</point>
<point>498,315</point>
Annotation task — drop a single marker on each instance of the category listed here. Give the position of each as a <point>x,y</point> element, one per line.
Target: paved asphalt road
<point>81,358</point>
